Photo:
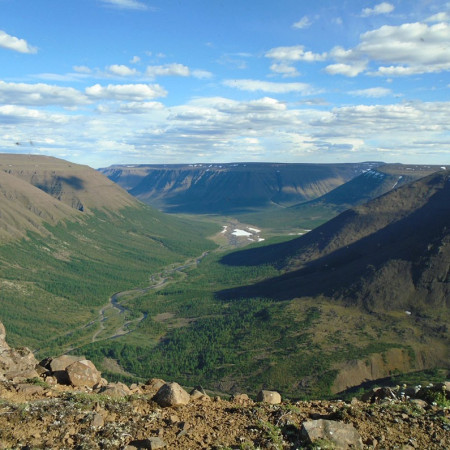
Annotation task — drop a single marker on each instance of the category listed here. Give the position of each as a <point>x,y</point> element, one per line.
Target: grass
<point>191,336</point>
<point>81,265</point>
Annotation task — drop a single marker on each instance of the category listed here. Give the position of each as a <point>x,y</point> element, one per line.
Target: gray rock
<point>171,394</point>
<point>83,373</point>
<point>152,443</point>
<point>272,397</point>
<point>341,435</point>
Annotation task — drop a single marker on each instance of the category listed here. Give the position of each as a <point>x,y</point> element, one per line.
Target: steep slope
<point>416,210</point>
<point>214,188</point>
<point>24,208</point>
<point>77,186</point>
<point>379,275</point>
<point>371,184</point>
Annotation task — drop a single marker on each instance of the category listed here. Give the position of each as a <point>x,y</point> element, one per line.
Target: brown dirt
<point>61,417</point>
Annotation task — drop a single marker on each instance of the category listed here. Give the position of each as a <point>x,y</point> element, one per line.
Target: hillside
<point>226,188</point>
<point>70,238</point>
<point>390,253</point>
<point>37,189</point>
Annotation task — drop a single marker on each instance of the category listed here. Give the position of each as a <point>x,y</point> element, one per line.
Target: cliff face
<point>215,188</point>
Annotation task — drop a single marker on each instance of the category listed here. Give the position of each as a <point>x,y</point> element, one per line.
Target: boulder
<point>115,390</point>
<point>340,435</point>
<point>62,362</point>
<point>171,394</point>
<point>272,397</point>
<point>198,395</point>
<point>83,373</point>
<point>58,366</point>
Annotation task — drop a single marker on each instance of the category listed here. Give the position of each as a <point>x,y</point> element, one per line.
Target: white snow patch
<point>225,228</point>
<point>255,230</point>
<point>408,312</point>
<point>261,239</point>
<point>443,168</point>
<point>238,232</point>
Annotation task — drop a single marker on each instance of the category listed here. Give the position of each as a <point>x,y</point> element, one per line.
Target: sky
<point>102,82</point>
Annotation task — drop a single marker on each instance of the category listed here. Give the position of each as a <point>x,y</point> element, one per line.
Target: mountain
<point>224,188</point>
<point>377,274</point>
<point>69,239</point>
<point>36,189</point>
<point>390,253</point>
<point>370,184</point>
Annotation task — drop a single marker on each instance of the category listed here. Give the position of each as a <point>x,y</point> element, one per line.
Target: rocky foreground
<point>64,403</point>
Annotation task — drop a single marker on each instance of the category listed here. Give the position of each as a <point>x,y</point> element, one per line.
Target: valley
<point>258,296</point>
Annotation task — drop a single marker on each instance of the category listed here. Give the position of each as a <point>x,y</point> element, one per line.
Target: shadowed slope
<point>390,253</point>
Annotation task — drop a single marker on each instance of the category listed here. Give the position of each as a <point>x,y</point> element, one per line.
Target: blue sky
<point>101,82</point>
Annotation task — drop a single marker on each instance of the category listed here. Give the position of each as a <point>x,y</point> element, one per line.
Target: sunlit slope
<point>226,188</point>
<point>77,186</point>
<point>70,239</point>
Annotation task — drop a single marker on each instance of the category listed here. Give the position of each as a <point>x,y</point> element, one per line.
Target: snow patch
<point>238,232</point>
<point>255,230</point>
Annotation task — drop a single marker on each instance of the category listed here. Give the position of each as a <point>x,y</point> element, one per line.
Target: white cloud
<point>135,60</point>
<point>173,69</point>
<point>439,17</point>
<point>126,92</point>
<point>416,46</point>
<point>372,92</point>
<point>40,94</point>
<point>121,70</point>
<point>381,8</point>
<point>294,53</point>
<point>82,69</point>
<point>13,115</point>
<point>16,44</point>
<point>131,108</point>
<point>284,69</point>
<point>304,22</point>
<point>202,74</point>
<point>349,70</point>
<point>267,86</point>
<point>126,4</point>
<point>411,48</point>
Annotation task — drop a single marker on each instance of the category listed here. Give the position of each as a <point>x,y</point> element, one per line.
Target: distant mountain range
<point>225,188</point>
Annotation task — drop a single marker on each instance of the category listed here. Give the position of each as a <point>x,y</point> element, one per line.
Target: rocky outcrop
<point>15,364</point>
<point>45,414</point>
